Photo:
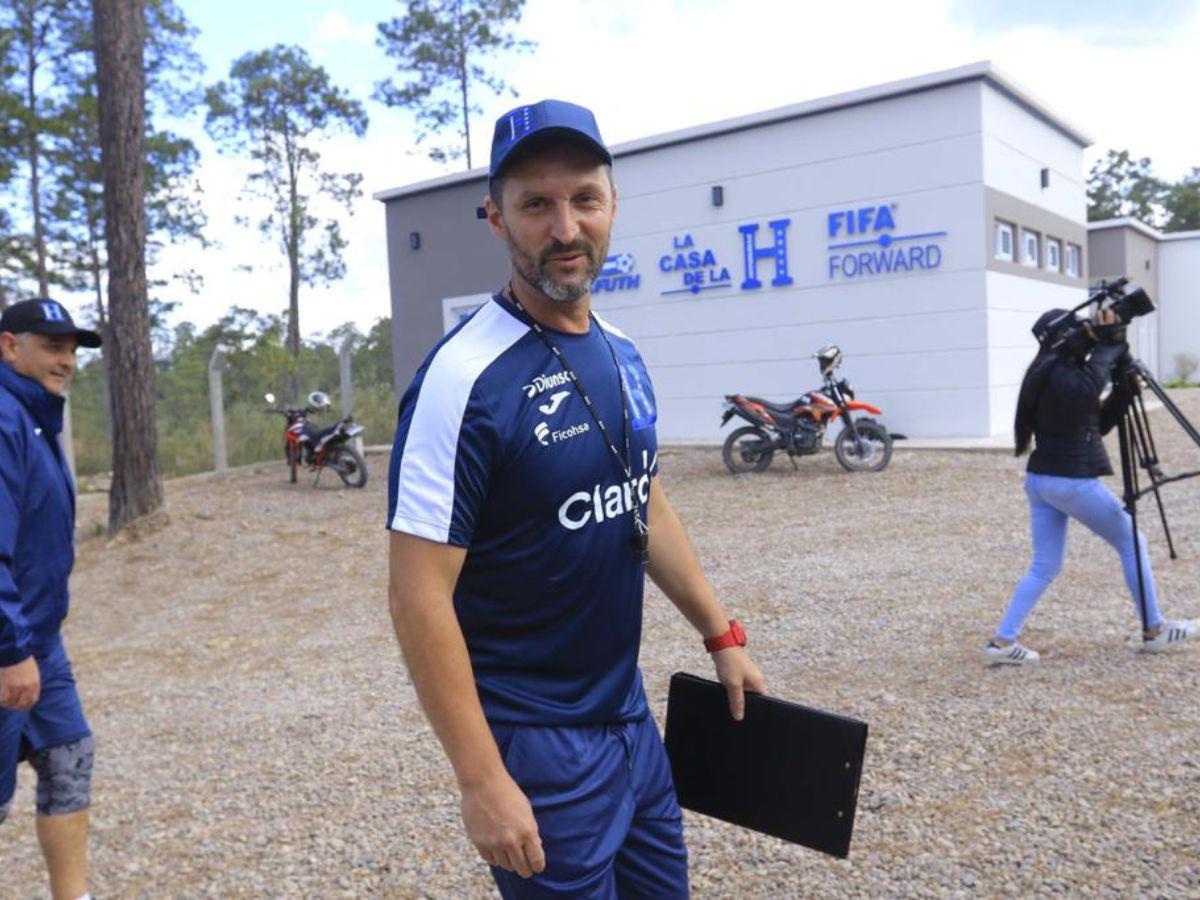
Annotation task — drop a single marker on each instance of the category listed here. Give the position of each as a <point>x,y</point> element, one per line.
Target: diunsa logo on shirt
<point>542,383</point>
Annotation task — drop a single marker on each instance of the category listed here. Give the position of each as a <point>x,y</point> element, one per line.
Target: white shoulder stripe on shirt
<point>425,488</point>
<point>610,327</point>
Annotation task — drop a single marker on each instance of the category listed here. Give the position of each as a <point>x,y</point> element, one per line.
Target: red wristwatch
<point>734,637</point>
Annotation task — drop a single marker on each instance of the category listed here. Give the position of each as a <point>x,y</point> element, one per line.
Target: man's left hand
<point>737,671</point>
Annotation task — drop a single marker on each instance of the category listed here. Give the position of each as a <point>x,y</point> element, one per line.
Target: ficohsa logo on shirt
<point>605,501</point>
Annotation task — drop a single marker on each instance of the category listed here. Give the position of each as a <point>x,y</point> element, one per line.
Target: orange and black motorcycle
<point>798,428</point>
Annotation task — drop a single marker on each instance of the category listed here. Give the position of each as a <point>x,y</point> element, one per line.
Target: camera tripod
<point>1138,451</point>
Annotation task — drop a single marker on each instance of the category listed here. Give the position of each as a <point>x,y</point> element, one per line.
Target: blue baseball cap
<point>528,124</point>
<point>48,317</point>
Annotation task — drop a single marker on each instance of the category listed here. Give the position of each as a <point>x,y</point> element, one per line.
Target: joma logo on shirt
<point>552,405</point>
<point>543,383</point>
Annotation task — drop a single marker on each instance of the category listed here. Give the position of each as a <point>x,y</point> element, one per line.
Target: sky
<point>1121,72</point>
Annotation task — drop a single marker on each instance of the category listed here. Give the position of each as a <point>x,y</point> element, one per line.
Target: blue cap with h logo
<point>45,317</point>
<point>521,127</point>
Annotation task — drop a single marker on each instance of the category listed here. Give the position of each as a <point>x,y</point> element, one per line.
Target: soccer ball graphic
<point>622,263</point>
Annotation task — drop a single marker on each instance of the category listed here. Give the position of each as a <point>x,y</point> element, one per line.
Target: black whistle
<point>641,546</point>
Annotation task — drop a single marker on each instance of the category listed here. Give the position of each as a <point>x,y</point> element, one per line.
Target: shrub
<point>1185,366</point>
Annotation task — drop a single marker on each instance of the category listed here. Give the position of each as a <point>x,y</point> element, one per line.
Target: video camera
<point>1069,335</point>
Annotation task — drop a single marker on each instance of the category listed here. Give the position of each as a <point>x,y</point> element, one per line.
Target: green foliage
<point>257,362</point>
<point>1185,366</point>
<point>35,37</point>
<point>1120,186</point>
<point>62,122</point>
<point>1182,203</point>
<point>438,45</point>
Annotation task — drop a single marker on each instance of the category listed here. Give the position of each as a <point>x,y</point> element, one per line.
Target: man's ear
<point>494,219</point>
<point>8,346</point>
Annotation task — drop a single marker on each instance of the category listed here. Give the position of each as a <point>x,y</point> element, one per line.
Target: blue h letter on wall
<point>751,254</point>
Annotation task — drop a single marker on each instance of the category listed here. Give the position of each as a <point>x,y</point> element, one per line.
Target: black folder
<point>785,770</point>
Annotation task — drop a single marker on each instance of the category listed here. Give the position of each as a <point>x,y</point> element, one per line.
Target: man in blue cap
<point>525,510</point>
<point>41,718</point>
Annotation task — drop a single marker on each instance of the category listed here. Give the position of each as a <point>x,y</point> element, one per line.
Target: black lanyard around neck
<point>641,531</point>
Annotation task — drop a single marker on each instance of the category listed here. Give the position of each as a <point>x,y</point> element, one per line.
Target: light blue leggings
<point>1053,501</point>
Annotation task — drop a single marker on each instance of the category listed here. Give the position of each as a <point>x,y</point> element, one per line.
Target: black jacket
<point>1063,409</point>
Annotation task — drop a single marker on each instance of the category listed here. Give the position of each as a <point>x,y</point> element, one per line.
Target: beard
<point>534,270</point>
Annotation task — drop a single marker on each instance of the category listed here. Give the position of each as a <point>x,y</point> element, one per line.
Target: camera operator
<point>1060,408</point>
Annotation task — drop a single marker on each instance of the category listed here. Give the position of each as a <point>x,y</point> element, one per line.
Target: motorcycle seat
<point>786,409</point>
<point>317,434</point>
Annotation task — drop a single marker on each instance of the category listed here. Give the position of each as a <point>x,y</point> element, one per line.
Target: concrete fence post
<point>345,368</point>
<point>216,398</point>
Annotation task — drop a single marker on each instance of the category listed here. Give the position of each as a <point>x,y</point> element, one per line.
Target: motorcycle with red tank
<point>320,448</point>
<point>798,428</point>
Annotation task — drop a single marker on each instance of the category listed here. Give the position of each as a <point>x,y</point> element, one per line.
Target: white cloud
<point>336,28</point>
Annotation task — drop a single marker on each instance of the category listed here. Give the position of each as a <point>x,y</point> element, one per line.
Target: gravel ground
<point>257,735</point>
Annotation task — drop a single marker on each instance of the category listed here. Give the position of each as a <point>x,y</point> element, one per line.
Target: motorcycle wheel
<point>876,447</point>
<point>747,449</point>
<point>293,460</point>
<point>350,466</point>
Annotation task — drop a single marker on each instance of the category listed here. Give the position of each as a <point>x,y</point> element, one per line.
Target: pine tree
<point>120,30</point>
<point>277,107</point>
<point>439,46</point>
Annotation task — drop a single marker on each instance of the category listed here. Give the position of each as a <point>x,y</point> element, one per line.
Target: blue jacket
<point>37,518</point>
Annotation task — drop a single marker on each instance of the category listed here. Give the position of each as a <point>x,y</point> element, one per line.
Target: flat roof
<point>1142,228</point>
<point>980,71</point>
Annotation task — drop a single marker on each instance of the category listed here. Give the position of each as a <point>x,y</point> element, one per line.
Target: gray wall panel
<point>458,255</point>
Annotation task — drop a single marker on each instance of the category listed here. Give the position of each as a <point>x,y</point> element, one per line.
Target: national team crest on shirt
<point>642,413</point>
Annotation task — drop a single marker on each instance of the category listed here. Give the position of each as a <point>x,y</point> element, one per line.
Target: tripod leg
<point>1128,477</point>
<point>1168,404</point>
<point>1147,453</point>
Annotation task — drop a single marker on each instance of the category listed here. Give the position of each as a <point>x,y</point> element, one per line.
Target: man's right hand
<point>501,825</point>
<point>20,685</point>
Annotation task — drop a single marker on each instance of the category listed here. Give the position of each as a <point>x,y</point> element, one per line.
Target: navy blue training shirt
<point>496,452</point>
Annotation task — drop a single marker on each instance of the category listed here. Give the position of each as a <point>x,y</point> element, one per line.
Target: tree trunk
<point>462,81</point>
<point>95,269</point>
<point>120,29</point>
<point>33,156</point>
<point>293,332</point>
<point>292,242</point>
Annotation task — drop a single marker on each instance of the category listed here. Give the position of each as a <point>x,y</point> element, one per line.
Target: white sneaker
<point>1015,654</point>
<point>1170,633</point>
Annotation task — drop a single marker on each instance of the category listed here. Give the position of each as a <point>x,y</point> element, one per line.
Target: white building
<point>1168,267</point>
<point>920,225</point>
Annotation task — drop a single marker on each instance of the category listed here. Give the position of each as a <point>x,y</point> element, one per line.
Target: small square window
<point>1004,240</point>
<point>1029,248</point>
<point>1053,255</point>
<point>1073,254</point>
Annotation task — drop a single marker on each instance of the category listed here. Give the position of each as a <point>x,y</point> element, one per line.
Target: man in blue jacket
<point>41,718</point>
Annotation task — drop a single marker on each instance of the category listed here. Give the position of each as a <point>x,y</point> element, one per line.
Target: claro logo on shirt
<point>606,501</point>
